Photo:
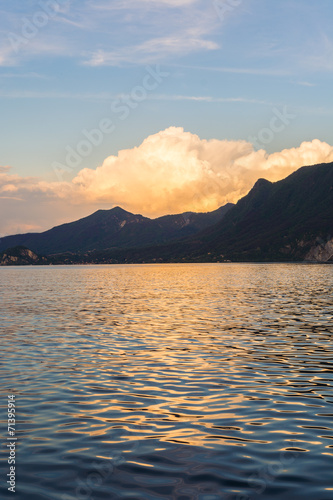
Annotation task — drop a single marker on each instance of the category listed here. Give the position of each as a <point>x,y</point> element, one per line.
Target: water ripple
<point>170,381</point>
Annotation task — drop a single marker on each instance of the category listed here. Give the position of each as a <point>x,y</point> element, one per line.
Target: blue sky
<point>228,66</point>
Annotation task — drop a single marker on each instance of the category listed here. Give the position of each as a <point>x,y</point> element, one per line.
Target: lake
<point>174,381</point>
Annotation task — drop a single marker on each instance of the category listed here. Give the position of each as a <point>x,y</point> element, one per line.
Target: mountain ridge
<point>114,228</point>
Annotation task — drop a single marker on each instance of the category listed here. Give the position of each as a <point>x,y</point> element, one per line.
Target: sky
<point>159,106</point>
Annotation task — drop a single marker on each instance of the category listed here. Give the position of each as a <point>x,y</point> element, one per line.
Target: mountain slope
<point>114,228</point>
<point>277,221</point>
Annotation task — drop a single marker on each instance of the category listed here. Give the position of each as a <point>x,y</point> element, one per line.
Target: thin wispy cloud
<point>320,57</point>
<point>108,97</point>
<point>274,72</point>
<point>119,32</point>
<point>211,99</point>
<point>130,4</point>
<point>34,94</point>
<point>167,33</point>
<point>31,75</point>
<point>14,198</point>
<point>140,31</point>
<point>153,50</point>
<point>305,84</point>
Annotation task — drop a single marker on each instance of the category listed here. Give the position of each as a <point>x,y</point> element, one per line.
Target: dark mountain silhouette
<point>114,228</point>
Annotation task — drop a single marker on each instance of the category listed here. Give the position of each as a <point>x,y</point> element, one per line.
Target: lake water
<point>185,382</point>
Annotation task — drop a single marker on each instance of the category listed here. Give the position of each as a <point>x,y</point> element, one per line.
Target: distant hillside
<point>112,229</point>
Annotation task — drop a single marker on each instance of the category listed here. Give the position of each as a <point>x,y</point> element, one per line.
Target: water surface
<point>187,382</point>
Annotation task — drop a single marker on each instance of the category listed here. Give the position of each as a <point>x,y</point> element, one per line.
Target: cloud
<point>49,94</point>
<point>152,50</point>
<point>4,168</point>
<point>24,75</point>
<point>179,39</point>
<point>170,3</point>
<point>320,57</point>
<point>175,171</point>
<point>208,99</point>
<point>107,97</point>
<point>130,4</point>
<point>120,32</point>
<point>305,84</point>
<point>172,171</point>
<point>31,204</point>
<point>274,72</point>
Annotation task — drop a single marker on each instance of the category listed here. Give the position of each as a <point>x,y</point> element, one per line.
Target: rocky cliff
<point>20,256</point>
<point>321,251</point>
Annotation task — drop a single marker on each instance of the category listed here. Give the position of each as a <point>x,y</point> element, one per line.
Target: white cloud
<point>274,72</point>
<point>119,32</point>
<point>170,3</point>
<point>305,84</point>
<point>208,99</point>
<point>130,4</point>
<point>152,50</point>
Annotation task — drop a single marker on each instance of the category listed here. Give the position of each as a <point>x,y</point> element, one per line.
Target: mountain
<point>277,221</point>
<point>112,229</point>
<point>289,220</point>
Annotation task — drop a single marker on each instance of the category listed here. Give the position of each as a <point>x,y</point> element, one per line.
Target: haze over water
<point>175,381</point>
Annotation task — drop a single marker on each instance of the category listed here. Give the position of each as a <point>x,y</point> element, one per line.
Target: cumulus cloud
<point>172,171</point>
<point>176,171</point>
<point>30,204</point>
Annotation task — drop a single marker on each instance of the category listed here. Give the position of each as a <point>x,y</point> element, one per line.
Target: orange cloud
<point>175,171</point>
